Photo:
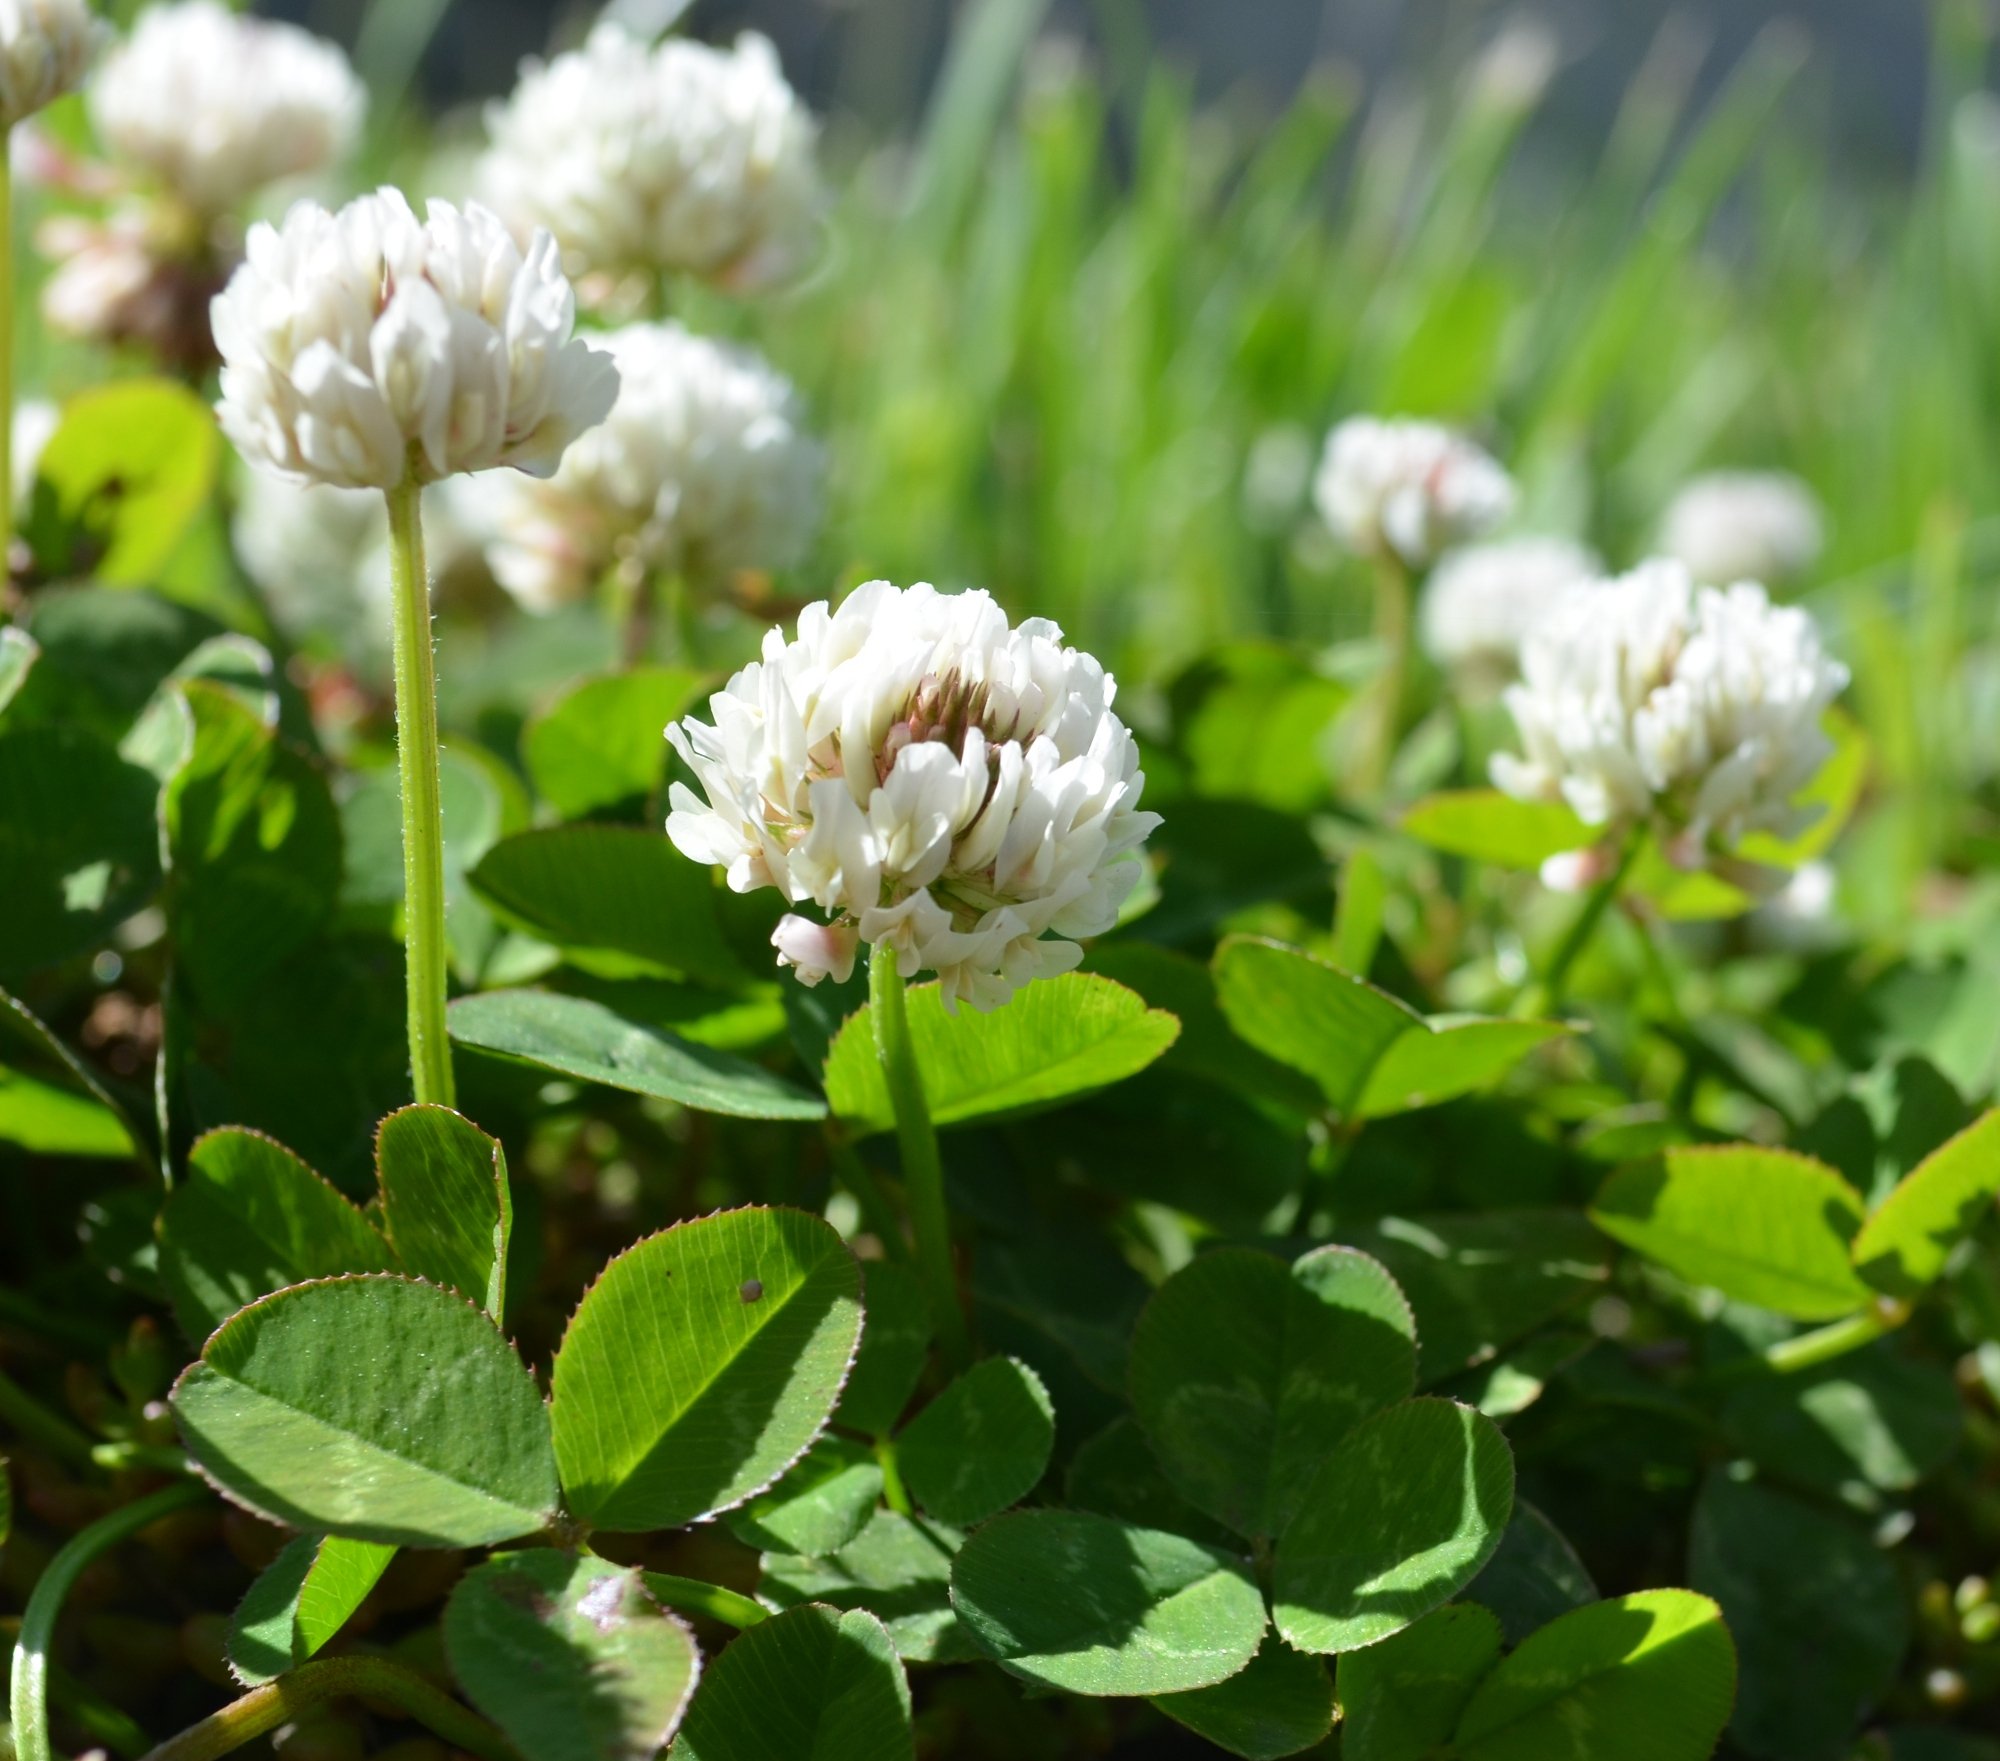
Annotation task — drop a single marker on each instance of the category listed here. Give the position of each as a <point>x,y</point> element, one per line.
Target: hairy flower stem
<point>1549,995</point>
<point>692,1596</point>
<point>29,1689</point>
<point>423,802</point>
<point>923,1172</point>
<point>330,1678</point>
<point>1385,708</point>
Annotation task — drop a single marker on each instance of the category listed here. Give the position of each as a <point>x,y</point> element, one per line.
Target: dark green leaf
<point>1055,1040</point>
<point>570,1656</point>
<point>820,1505</point>
<point>895,1338</point>
<point>981,1445</point>
<point>1533,1577</point>
<point>1281,1704</point>
<point>573,1036</point>
<point>1873,1421</point>
<point>619,899</point>
<point>602,743</point>
<point>811,1685</point>
<point>1480,1282</point>
<point>1818,1612</point>
<point>445,1201</point>
<point>253,845</point>
<point>1092,1606</point>
<point>1401,1700</point>
<point>896,1568</point>
<point>1115,1473</point>
<point>299,1602</point>
<point>249,1218</point>
<point>1402,1515</point>
<point>1246,1373</point>
<point>702,1364</point>
<point>376,1408</point>
<point>79,844</point>
<point>1763,1226</point>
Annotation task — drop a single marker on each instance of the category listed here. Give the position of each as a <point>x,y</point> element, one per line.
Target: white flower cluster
<point>1481,602</point>
<point>216,104</point>
<point>678,157</point>
<point>364,346</point>
<point>1408,489</point>
<point>703,467</point>
<point>1695,709</point>
<point>1744,526</point>
<point>46,47</point>
<point>935,781</point>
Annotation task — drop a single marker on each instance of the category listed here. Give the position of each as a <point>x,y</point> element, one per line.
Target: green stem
<point>894,1493</point>
<point>29,1690</point>
<point>859,1179</point>
<point>1584,925</point>
<point>332,1678</point>
<point>1807,1351</point>
<point>423,802</point>
<point>1385,711</point>
<point>692,1596</point>
<point>35,1423</point>
<point>923,1172</point>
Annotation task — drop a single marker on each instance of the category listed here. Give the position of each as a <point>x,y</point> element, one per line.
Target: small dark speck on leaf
<point>752,1290</point>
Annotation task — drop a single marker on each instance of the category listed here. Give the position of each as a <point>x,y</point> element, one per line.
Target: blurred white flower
<point>1408,489</point>
<point>678,157</point>
<point>364,347</point>
<point>320,556</point>
<point>35,423</point>
<point>46,47</point>
<point>216,104</point>
<point>1646,699</point>
<point>702,468</point>
<point>933,780</point>
<point>132,275</point>
<point>1744,526</point>
<point>1480,602</point>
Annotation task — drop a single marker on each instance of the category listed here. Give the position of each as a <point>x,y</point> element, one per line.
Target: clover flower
<point>1695,711</point>
<point>1408,489</point>
<point>1480,602</point>
<point>680,157</point>
<point>46,47</point>
<point>362,348</point>
<point>933,780</point>
<point>214,104</point>
<point>1744,526</point>
<point>701,469</point>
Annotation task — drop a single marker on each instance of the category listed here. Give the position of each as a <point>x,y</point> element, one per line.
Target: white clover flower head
<point>702,468</point>
<point>217,104</point>
<point>1697,711</point>
<point>365,347</point>
<point>46,47</point>
<point>678,157</point>
<point>1744,526</point>
<point>1481,601</point>
<point>933,780</point>
<point>1408,489</point>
